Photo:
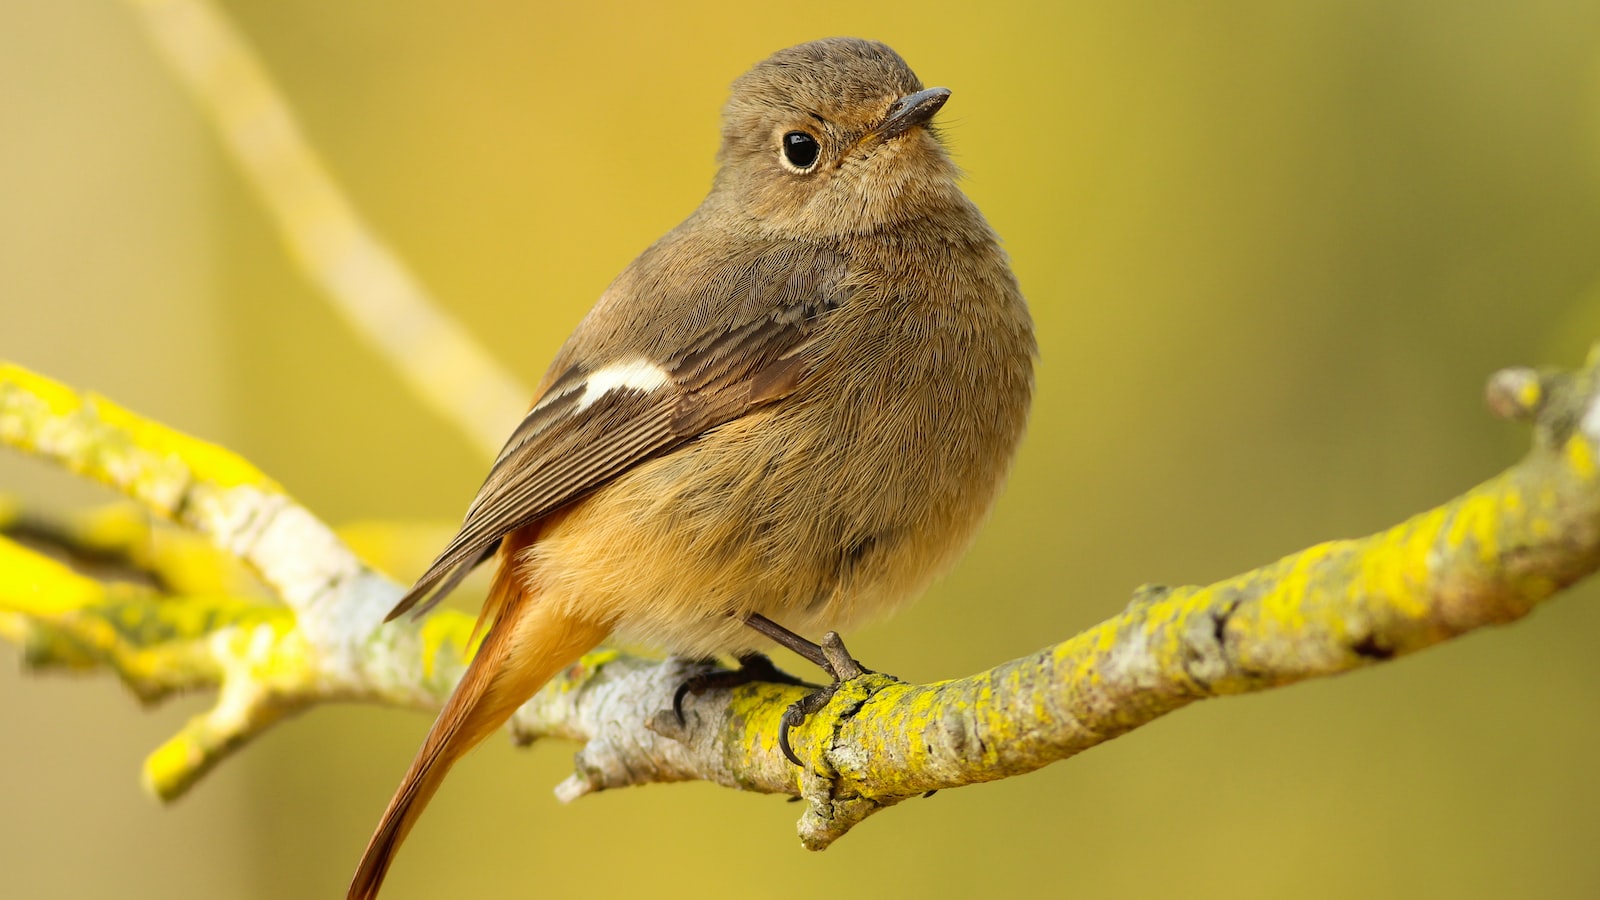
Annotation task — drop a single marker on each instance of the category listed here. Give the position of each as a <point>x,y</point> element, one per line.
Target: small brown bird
<point>795,408</point>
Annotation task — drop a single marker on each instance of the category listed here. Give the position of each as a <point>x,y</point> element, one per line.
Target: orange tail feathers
<point>526,645</point>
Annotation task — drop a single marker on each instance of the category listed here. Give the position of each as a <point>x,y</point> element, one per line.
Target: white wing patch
<point>633,375</point>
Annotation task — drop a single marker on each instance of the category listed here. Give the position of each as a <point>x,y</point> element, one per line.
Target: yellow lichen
<point>209,463</point>
<point>57,398</point>
<point>1581,457</point>
<point>1529,394</point>
<point>38,586</point>
<point>1283,607</point>
<point>1477,517</point>
<point>1395,568</point>
<point>436,632</point>
<point>170,766</point>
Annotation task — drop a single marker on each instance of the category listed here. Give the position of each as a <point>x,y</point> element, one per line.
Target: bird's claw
<point>753,668</point>
<point>843,667</point>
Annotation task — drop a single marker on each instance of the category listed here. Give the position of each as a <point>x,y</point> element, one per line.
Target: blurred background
<point>1273,249</point>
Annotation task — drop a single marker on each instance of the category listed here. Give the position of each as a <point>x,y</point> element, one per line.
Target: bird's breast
<point>829,506</point>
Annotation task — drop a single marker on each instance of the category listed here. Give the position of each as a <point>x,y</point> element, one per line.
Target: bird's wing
<point>599,418</point>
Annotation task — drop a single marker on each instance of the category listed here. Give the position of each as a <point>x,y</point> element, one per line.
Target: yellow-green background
<point>1273,248</point>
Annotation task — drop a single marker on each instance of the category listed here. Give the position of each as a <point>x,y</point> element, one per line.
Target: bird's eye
<point>800,149</point>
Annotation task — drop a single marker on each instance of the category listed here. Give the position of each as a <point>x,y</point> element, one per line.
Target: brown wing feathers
<point>550,469</point>
<point>573,440</point>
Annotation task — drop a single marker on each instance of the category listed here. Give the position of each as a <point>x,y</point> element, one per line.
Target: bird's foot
<point>842,666</point>
<point>753,668</point>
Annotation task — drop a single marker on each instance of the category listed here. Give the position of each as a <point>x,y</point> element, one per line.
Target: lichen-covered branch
<point>122,542</point>
<point>317,637</point>
<point>1486,557</point>
<point>202,487</point>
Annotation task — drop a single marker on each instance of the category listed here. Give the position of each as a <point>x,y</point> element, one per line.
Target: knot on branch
<point>1562,406</point>
<point>837,768</point>
<point>1515,394</point>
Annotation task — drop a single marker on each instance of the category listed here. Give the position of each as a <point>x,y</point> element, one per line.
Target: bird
<point>788,415</point>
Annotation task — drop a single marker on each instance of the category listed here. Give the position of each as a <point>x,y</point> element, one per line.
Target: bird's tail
<point>527,643</point>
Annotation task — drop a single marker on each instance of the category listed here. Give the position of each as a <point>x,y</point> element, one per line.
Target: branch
<point>369,285</point>
<point>317,639</point>
<point>1486,557</point>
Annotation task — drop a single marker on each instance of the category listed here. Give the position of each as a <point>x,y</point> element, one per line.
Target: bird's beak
<point>910,111</point>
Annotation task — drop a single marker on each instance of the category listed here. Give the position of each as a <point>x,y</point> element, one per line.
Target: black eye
<point>800,149</point>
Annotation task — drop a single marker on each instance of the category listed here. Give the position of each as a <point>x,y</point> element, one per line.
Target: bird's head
<point>832,137</point>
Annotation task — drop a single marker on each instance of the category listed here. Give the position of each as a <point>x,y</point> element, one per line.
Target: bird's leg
<point>753,668</point>
<point>830,655</point>
<point>783,637</point>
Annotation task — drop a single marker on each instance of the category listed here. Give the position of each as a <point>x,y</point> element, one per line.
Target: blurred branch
<point>200,486</point>
<point>320,640</point>
<point>382,301</point>
<point>120,542</point>
<point>1486,557</point>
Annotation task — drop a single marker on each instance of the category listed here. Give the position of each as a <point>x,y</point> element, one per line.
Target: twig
<point>369,285</point>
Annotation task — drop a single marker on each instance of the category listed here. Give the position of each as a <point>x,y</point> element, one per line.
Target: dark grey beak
<point>912,110</point>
